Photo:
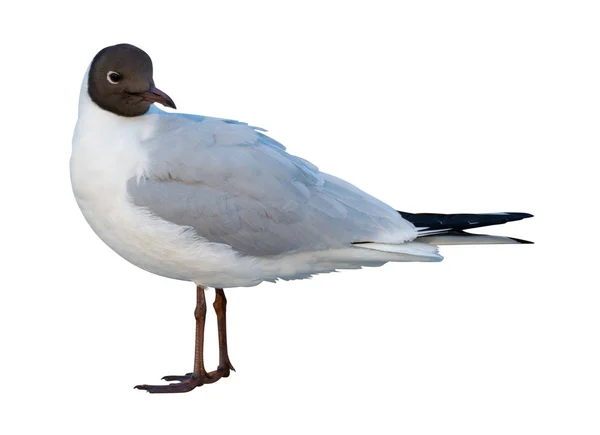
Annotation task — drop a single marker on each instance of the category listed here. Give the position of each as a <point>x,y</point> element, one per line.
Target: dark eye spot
<point>113,77</point>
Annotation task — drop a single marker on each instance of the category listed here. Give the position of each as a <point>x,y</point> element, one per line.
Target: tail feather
<point>465,238</point>
<point>409,251</point>
<point>448,229</point>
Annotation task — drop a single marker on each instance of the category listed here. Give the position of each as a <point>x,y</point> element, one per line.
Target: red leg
<point>199,376</point>
<point>220,304</point>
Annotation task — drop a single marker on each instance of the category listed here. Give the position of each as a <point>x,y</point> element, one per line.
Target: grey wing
<point>236,186</point>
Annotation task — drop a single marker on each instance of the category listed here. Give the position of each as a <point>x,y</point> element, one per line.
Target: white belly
<point>161,247</point>
<point>101,165</point>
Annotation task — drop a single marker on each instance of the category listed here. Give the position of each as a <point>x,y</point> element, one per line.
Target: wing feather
<point>234,185</point>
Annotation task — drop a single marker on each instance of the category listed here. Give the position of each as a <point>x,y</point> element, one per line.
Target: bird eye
<point>113,77</point>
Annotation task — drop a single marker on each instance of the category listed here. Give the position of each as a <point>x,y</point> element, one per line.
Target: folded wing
<point>232,184</point>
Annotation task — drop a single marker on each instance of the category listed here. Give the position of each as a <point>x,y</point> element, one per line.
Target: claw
<point>179,378</point>
<point>223,372</point>
<point>188,384</point>
<point>185,383</point>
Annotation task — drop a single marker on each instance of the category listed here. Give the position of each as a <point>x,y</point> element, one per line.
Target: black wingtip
<point>519,215</point>
<point>524,242</point>
<point>461,221</point>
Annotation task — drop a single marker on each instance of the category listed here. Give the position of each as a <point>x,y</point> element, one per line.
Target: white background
<point>431,106</point>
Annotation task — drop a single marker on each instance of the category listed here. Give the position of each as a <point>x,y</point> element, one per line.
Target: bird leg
<point>199,376</point>
<point>220,304</point>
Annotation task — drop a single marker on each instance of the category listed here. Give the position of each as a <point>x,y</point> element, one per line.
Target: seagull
<point>219,203</point>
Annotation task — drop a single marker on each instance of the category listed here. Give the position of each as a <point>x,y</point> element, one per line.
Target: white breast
<point>106,154</point>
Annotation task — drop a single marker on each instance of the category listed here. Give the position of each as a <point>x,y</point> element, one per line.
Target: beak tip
<point>155,95</point>
<point>167,102</point>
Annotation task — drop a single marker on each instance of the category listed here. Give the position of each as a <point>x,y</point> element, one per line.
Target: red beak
<point>155,95</point>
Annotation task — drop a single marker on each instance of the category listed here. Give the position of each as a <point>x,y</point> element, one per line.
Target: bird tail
<point>449,229</point>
